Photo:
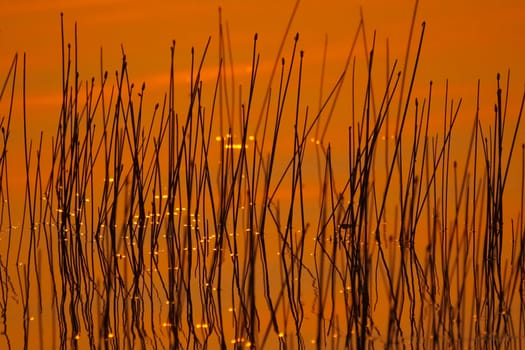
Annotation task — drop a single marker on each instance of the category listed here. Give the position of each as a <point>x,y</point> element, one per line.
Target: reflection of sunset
<point>249,175</point>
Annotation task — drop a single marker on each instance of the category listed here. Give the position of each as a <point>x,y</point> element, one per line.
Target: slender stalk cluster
<point>196,226</point>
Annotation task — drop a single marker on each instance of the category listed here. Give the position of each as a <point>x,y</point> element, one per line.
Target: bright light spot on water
<point>77,337</point>
<point>235,146</point>
<point>237,340</point>
<point>281,335</point>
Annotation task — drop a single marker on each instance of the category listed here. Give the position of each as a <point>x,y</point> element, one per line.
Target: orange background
<point>463,42</point>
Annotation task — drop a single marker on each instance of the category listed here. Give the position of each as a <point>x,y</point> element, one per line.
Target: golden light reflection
<point>463,42</point>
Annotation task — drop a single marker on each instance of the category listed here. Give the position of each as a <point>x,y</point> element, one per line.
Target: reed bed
<point>196,226</point>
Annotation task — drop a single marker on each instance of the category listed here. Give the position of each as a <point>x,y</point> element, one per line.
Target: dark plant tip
<point>302,53</point>
<point>105,75</point>
<point>296,36</point>
<point>282,61</point>
<point>143,86</point>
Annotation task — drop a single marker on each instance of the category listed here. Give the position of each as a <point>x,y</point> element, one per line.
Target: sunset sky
<point>464,41</point>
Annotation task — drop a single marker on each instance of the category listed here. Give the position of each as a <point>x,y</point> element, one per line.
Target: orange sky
<point>464,41</point>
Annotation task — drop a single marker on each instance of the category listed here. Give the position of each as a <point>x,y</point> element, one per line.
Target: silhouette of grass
<point>159,234</point>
